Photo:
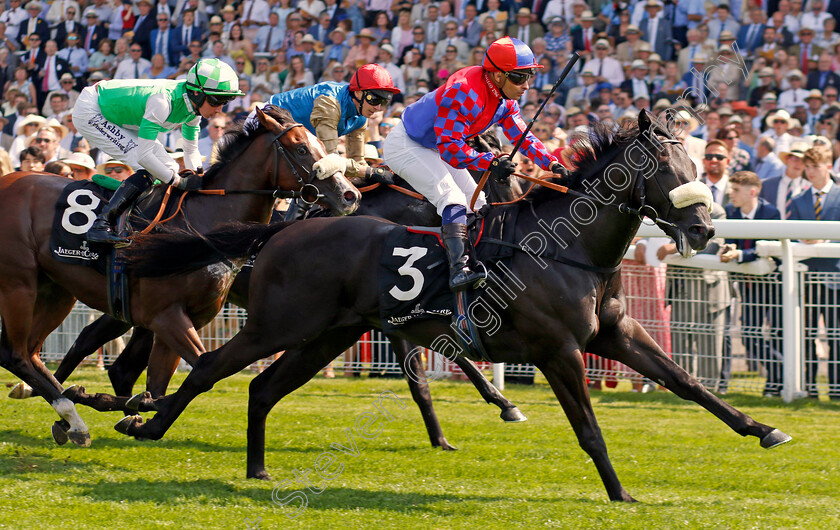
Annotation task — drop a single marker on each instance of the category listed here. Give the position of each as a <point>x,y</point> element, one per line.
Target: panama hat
<point>797,149</point>
<point>57,126</point>
<point>780,114</point>
<point>31,119</point>
<point>79,159</point>
<point>113,162</point>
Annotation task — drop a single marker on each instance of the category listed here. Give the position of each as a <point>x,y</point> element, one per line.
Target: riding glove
<point>187,180</point>
<point>501,168</point>
<point>558,169</point>
<point>379,174</point>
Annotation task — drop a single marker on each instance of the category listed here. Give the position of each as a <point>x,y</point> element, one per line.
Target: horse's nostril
<point>700,230</point>
<point>350,196</point>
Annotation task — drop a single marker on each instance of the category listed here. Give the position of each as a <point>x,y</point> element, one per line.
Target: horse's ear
<point>261,117</point>
<point>644,121</point>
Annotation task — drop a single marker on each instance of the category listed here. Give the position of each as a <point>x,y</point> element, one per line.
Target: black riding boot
<point>103,230</point>
<point>455,242</point>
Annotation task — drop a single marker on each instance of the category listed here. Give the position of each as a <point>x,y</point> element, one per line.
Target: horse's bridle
<point>308,192</point>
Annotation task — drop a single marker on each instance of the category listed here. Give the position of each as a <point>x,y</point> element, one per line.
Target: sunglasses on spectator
<point>135,50</point>
<point>218,100</point>
<point>42,141</point>
<point>116,169</point>
<point>715,157</point>
<point>68,82</point>
<point>732,137</point>
<point>519,78</point>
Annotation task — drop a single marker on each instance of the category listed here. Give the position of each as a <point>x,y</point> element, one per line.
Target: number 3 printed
<point>413,254</point>
<point>85,209</point>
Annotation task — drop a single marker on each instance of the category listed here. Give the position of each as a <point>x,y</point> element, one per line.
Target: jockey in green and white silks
<point>124,117</point>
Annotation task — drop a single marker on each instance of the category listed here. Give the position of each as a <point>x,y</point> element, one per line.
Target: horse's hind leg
<point>565,374</point>
<point>630,344</point>
<point>490,393</point>
<point>292,370</point>
<point>27,320</point>
<point>412,367</point>
<point>131,362</point>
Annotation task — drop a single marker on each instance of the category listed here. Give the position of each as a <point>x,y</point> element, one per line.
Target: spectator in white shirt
<point>796,95</point>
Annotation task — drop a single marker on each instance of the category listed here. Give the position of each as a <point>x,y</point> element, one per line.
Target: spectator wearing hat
<point>697,83</point>
<point>524,29</point>
<point>584,92</point>
<point>766,84</point>
<point>314,61</point>
<point>627,51</point>
<point>779,123</point>
<point>337,50</point>
<point>58,11</point>
<point>657,30</point>
<point>722,21</point>
<point>386,61</point>
<point>815,103</point>
<point>144,24</point>
<point>462,49</point>
<point>606,68</point>
<point>806,49</point>
<point>69,24</point>
<point>637,85</point>
<point>823,76</point>
<point>364,51</point>
<point>26,130</point>
<point>81,165</point>
<point>795,96</point>
<point>33,23</point>
<point>114,169</point>
<point>92,33</point>
<point>752,35</point>
<point>584,36</point>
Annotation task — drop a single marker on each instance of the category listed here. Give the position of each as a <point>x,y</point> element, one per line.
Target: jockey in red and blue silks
<point>429,150</point>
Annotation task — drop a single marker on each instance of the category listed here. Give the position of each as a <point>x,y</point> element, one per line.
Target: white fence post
<point>499,375</point>
<point>791,325</point>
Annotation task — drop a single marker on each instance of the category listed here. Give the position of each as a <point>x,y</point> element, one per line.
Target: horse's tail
<point>179,252</point>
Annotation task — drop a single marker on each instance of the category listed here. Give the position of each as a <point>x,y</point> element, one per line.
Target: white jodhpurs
<point>423,168</point>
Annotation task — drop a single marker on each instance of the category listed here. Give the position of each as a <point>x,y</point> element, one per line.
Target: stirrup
<point>106,235</point>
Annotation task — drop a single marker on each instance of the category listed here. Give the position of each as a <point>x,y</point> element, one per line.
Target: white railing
<point>373,355</point>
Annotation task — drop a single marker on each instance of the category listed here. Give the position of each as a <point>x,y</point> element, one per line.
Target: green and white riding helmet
<point>214,81</point>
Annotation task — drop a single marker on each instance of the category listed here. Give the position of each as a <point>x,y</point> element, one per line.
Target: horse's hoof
<point>513,415</point>
<point>82,439</point>
<point>73,391</point>
<point>259,475</point>
<point>446,446</point>
<point>21,391</point>
<point>775,438</point>
<point>127,422</point>
<point>134,401</point>
<point>59,433</point>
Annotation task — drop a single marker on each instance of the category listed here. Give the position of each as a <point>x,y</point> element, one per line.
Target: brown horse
<point>37,292</point>
<point>563,302</point>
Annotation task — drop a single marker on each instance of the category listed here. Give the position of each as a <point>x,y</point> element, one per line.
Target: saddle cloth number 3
<point>407,269</point>
<point>87,210</point>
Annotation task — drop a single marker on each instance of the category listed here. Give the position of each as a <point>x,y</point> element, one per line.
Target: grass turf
<point>686,467</point>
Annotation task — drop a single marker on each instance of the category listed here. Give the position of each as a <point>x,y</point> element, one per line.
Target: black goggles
<point>377,97</point>
<point>519,77</point>
<point>219,100</point>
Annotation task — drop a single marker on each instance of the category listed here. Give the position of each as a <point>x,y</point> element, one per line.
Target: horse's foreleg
<point>412,367</point>
<point>131,362</point>
<point>27,320</point>
<point>565,373</point>
<point>292,370</point>
<point>630,344</point>
<point>103,330</point>
<point>490,393</point>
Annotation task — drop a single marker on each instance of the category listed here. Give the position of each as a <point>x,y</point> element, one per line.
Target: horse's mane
<point>588,151</point>
<point>238,138</point>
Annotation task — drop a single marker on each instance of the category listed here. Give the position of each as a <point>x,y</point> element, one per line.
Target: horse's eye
<point>302,150</point>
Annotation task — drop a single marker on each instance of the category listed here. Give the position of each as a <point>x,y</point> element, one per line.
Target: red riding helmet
<point>372,77</point>
<point>508,54</point>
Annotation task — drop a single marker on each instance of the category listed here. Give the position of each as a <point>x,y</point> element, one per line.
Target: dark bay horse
<point>37,292</point>
<point>384,202</point>
<point>566,302</point>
